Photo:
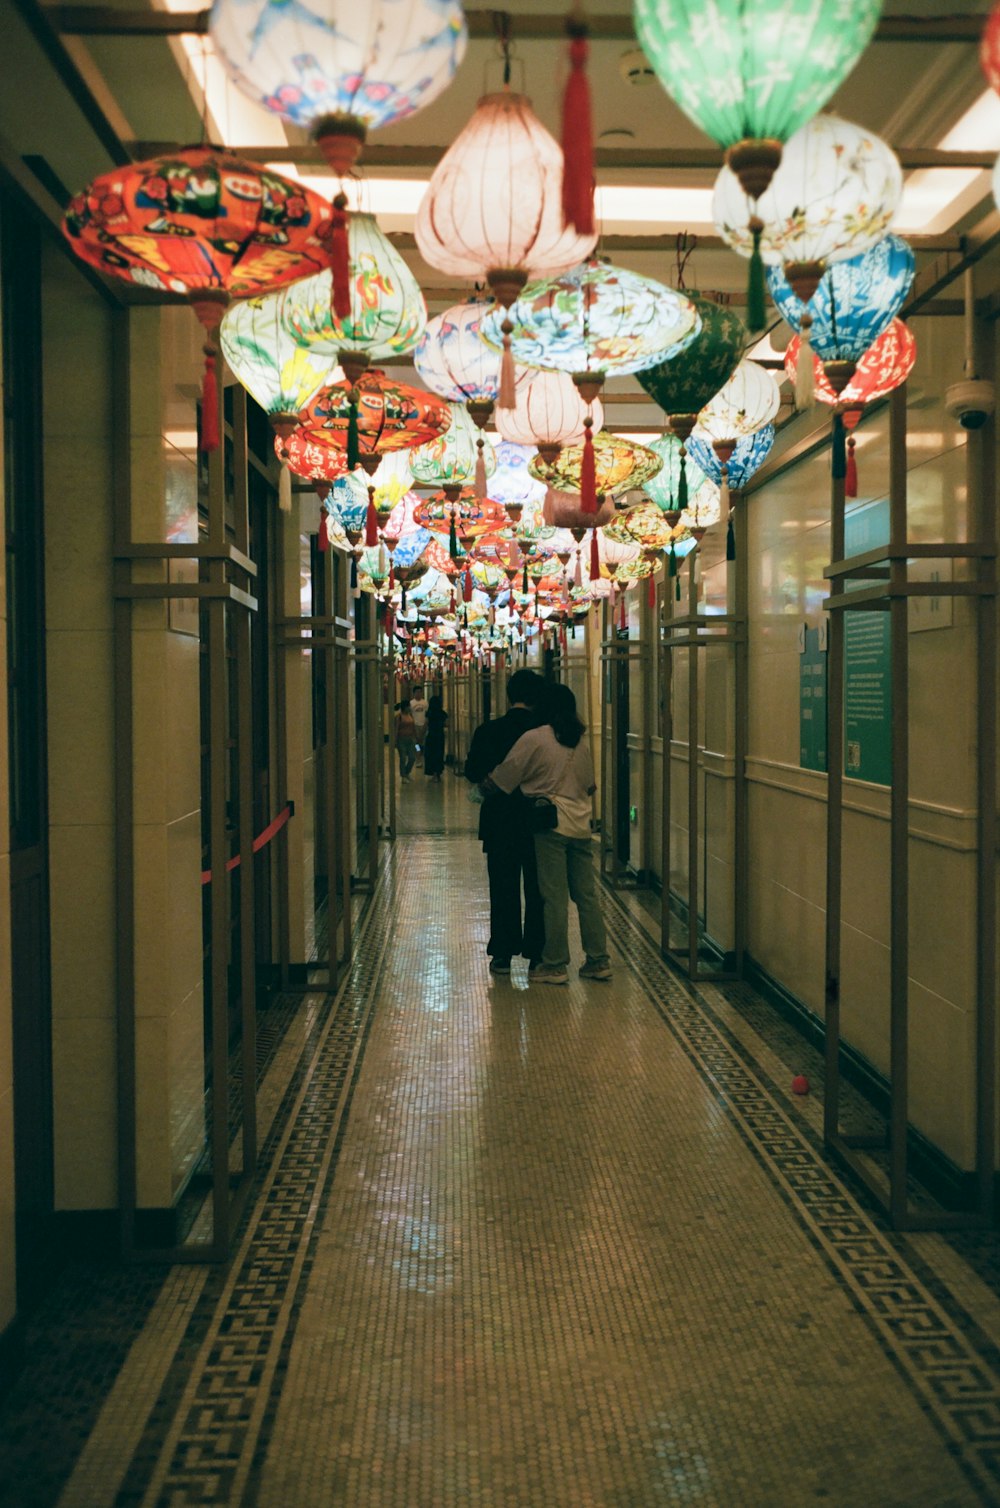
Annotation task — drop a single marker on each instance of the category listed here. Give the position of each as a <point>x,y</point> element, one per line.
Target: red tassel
<point>588,472</point>
<point>452,607</point>
<point>622,620</point>
<point>578,137</point>
<point>392,578</point>
<point>467,587</point>
<point>595,557</point>
<point>209,404</point>
<point>371,520</point>
<point>324,532</point>
<point>851,480</point>
<point>651,591</point>
<point>340,261</point>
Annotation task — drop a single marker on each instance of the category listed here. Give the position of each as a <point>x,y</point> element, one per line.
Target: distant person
<point>553,760</point>
<point>418,706</point>
<point>508,844</point>
<point>406,740</point>
<point>434,739</point>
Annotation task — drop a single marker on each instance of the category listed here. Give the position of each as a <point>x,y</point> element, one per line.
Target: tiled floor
<point>519,1246</point>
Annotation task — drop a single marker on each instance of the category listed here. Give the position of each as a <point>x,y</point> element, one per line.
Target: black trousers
<point>509,864</point>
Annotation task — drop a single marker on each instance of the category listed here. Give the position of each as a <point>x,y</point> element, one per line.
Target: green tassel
<point>524,579</point>
<point>353,442</point>
<point>453,539</point>
<point>730,540</point>
<point>756,287</point>
<point>677,590</point>
<point>673,559</point>
<point>682,482</point>
<point>839,470</point>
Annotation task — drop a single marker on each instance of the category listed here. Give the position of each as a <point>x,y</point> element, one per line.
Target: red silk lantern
<point>989,49</point>
<point>202,222</point>
<point>376,414</point>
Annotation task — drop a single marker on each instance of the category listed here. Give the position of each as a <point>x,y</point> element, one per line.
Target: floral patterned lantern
<point>885,366</point>
<point>384,314</point>
<point>682,388</point>
<point>834,195</point>
<point>549,413</point>
<point>512,484</point>
<point>455,363</point>
<point>343,69</point>
<point>748,456</point>
<point>278,372</point>
<point>305,457</point>
<point>206,223</point>
<point>620,464</point>
<point>663,488</point>
<point>745,404</point>
<point>751,73</point>
<point>855,301</point>
<point>451,460</point>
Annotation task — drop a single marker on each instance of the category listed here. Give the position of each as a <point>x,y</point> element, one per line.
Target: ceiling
<point>148,89</point>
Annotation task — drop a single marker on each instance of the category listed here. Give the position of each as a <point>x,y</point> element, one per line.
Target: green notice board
<point>867,678</point>
<point>812,699</point>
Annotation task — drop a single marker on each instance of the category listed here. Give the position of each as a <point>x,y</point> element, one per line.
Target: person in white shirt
<point>553,760</point>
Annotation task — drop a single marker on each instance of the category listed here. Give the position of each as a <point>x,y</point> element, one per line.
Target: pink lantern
<point>549,413</point>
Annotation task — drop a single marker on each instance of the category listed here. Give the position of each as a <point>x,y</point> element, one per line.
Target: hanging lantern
<point>682,388</point>
<point>885,365</point>
<point>663,489</point>
<point>387,415</point>
<point>549,413</point>
<point>450,460</point>
<point>833,196</point>
<point>344,70</point>
<point>752,72</point>
<point>347,503</point>
<point>748,455</point>
<point>563,509</point>
<point>619,464</point>
<point>744,404</point>
<point>512,485</point>
<point>469,515</point>
<point>206,223</point>
<point>644,524</point>
<point>492,209</point>
<point>989,49</point>
<point>597,319</point>
<point>855,301</point>
<point>279,373</point>
<point>314,462</point>
<point>385,314</point>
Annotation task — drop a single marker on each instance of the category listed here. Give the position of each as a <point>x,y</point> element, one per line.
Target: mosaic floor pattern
<point>520,1245</point>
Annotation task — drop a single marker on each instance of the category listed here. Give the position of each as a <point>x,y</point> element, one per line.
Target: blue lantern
<point>855,302</point>
<point>409,548</point>
<point>347,501</point>
<point>512,483</point>
<point>749,455</point>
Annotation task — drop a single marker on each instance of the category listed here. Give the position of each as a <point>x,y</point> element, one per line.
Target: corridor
<point>572,1248</point>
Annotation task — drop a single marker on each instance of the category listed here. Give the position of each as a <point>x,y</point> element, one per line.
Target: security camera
<point>970,402</point>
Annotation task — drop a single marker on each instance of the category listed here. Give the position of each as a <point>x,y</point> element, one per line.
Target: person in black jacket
<point>509,846</point>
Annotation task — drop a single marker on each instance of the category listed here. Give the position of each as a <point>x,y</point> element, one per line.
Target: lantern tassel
<point>324,532</point>
<point>595,557</point>
<point>354,573</point>
<point>730,540</point>
<point>506,397</point>
<point>480,467</point>
<point>651,592</point>
<point>724,489</point>
<point>851,479</point>
<point>622,620</point>
<point>756,287</point>
<point>839,467</point>
<point>353,438</point>
<point>524,579</point>
<point>285,490</point>
<point>452,607</point>
<point>467,587</point>
<point>371,520</point>
<point>677,588</point>
<point>682,482</point>
<point>588,471</point>
<point>673,558</point>
<point>805,371</point>
<point>340,261</point>
<point>578,134</point>
<point>453,539</point>
<point>402,600</point>
<point>209,439</point>
<point>578,572</point>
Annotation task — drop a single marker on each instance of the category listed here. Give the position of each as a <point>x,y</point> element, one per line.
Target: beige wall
<point>8,1296</point>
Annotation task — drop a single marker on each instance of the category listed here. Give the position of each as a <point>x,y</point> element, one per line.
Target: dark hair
<point>526,686</point>
<point>434,705</point>
<point>559,711</point>
<point>404,705</point>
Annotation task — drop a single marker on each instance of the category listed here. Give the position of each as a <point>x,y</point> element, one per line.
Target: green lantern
<point>751,72</point>
<point>682,387</point>
<point>280,373</point>
<point>662,489</point>
<point>457,458</point>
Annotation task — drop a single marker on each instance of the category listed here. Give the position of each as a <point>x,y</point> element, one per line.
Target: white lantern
<point>549,412</point>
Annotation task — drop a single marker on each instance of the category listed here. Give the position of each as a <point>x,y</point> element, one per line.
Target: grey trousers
<point>565,873</point>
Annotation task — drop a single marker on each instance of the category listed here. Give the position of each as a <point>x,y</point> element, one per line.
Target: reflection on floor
<point>518,1246</point>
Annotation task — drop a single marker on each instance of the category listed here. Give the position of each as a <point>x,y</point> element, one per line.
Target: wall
<point>8,1295</point>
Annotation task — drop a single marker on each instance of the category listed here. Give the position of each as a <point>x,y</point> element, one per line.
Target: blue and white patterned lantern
<point>453,361</point>
<point>749,455</point>
<point>512,484</point>
<point>347,501</point>
<point>366,65</point>
<point>855,302</point>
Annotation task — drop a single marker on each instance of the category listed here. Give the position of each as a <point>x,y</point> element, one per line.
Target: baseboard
<point>95,1235</point>
<point>11,1353</point>
<point>952,1186</point>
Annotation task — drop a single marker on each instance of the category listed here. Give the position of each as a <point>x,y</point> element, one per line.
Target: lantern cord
<point>686,244</point>
<point>838,469</point>
<point>340,260</point>
<point>578,132</point>
<point>588,470</point>
<point>371,520</point>
<point>595,557</point>
<point>506,398</point>
<point>480,467</point>
<point>324,532</point>
<point>209,403</point>
<point>805,374</point>
<point>756,297</point>
<point>501,23</point>
<point>851,478</point>
<point>204,92</point>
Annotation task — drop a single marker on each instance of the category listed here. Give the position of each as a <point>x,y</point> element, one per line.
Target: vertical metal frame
<point>689,634</point>
<point>227,574</point>
<point>890,590</point>
<point>619,657</point>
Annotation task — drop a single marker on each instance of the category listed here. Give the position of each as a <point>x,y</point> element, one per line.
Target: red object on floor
<point>800,1084</point>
